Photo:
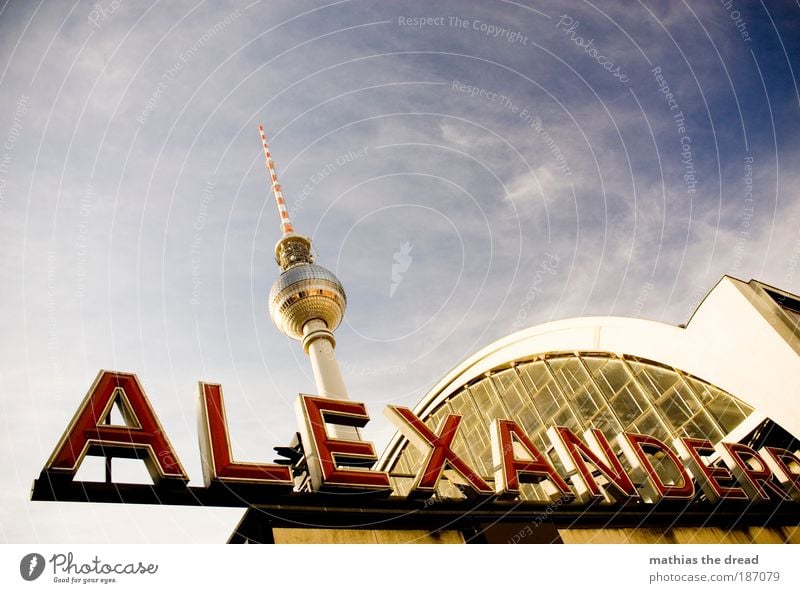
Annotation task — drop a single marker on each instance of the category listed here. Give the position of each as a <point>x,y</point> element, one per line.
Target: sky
<point>467,169</point>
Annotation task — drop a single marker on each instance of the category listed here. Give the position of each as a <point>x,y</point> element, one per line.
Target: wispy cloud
<point>146,244</point>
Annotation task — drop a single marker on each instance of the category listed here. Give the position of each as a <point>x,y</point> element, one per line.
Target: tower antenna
<point>286,222</point>
<point>292,249</point>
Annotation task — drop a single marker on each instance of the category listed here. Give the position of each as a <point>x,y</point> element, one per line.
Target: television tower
<point>307,302</point>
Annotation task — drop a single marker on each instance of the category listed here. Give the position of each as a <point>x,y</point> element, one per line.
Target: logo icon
<point>31,566</point>
<point>402,261</point>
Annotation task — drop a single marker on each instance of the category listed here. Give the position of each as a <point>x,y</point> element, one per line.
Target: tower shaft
<point>319,344</point>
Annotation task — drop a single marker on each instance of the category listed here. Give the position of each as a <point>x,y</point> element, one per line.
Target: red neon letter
<point>324,454</point>
<point>756,481</point>
<point>692,452</point>
<point>511,470</point>
<point>574,454</point>
<point>439,450</point>
<point>637,447</point>
<point>782,462</point>
<point>141,437</point>
<point>215,447</point>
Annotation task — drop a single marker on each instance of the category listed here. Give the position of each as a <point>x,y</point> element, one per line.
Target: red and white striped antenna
<point>286,222</point>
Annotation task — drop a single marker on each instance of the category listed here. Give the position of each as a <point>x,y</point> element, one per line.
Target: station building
<point>731,373</point>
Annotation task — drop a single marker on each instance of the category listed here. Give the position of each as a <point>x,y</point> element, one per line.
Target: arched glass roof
<point>580,390</point>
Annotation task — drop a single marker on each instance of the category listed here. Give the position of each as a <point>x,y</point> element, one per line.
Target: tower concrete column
<point>319,344</point>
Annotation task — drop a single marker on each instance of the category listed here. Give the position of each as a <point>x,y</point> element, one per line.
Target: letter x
<point>440,451</point>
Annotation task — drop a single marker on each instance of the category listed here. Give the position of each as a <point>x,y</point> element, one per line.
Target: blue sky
<point>525,154</point>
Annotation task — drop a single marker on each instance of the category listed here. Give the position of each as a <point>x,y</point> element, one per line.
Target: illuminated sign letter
<point>324,454</point>
<point>637,447</point>
<point>751,471</point>
<point>508,442</point>
<point>215,447</point>
<point>692,452</point>
<point>142,436</point>
<point>438,446</point>
<point>574,454</point>
<point>786,467</point>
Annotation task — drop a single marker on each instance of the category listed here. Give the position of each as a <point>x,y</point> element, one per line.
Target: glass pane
<point>650,424</point>
<point>674,408</point>
<point>606,422</point>
<point>541,441</point>
<point>688,396</point>
<point>725,411</point>
<point>529,420</point>
<point>701,389</point>
<point>665,469</point>
<point>565,417</point>
<point>746,409</point>
<point>472,441</point>
<point>412,458</point>
<point>626,407</point>
<point>504,380</point>
<point>656,381</point>
<point>401,486</point>
<point>401,465</point>
<point>569,372</point>
<point>462,404</point>
<point>432,421</point>
<point>487,402</point>
<point>701,427</point>
<point>610,374</point>
<point>548,400</point>
<point>585,403</point>
<point>511,391</point>
<point>517,400</point>
<point>535,373</point>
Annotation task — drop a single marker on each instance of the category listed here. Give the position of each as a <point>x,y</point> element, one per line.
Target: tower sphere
<point>304,292</point>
